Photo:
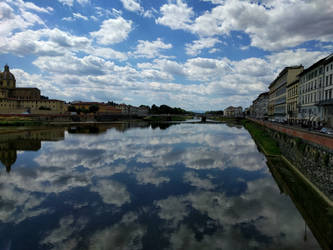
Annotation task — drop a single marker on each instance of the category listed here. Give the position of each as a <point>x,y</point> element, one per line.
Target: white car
<point>327,131</point>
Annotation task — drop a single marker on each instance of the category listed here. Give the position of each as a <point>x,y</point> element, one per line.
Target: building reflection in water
<point>316,209</point>
<point>30,140</point>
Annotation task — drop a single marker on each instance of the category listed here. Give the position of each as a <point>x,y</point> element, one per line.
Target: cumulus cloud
<point>152,49</point>
<point>127,234</point>
<point>113,30</point>
<point>131,5</point>
<point>43,42</point>
<point>176,14</point>
<point>92,64</point>
<point>70,3</point>
<point>112,192</point>
<point>11,21</point>
<point>197,46</point>
<point>270,28</point>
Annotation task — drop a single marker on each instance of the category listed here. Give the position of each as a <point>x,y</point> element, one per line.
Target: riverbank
<point>266,143</point>
<point>311,161</point>
<point>316,209</point>
<point>167,118</point>
<point>40,120</point>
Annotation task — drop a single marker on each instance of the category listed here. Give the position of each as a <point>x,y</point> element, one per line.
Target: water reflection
<point>138,186</point>
<point>317,211</point>
<point>28,140</point>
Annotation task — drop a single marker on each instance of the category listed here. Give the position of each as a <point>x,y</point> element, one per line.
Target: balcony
<point>325,102</point>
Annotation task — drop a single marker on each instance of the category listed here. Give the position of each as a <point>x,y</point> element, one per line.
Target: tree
<point>72,109</point>
<point>93,108</point>
<point>154,109</point>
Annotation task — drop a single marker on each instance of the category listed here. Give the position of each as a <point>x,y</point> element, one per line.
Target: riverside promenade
<point>307,135</point>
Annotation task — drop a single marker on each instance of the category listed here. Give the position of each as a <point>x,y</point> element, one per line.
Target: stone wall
<point>312,154</point>
<point>320,139</point>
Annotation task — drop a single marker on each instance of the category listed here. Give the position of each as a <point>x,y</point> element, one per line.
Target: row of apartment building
<point>299,95</point>
<point>111,109</point>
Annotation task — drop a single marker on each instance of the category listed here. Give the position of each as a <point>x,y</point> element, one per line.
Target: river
<point>141,186</point>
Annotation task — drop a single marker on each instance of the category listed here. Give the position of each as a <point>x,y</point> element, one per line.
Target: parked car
<point>327,131</point>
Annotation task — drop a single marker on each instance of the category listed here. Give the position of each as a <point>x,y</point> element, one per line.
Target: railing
<point>325,102</point>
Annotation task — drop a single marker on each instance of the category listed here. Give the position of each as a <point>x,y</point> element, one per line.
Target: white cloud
<point>32,6</point>
<point>67,2</point>
<point>112,192</point>
<point>112,31</point>
<point>77,16</point>
<point>69,64</point>
<point>70,3</point>
<point>107,53</point>
<point>83,2</point>
<point>131,5</point>
<point>197,46</point>
<point>176,14</point>
<point>80,16</point>
<point>214,1</point>
<point>295,57</point>
<point>199,182</point>
<point>43,42</point>
<point>270,28</point>
<point>127,234</point>
<point>149,49</point>
<point>11,21</point>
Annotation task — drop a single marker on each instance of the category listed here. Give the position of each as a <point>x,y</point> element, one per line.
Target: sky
<point>199,55</point>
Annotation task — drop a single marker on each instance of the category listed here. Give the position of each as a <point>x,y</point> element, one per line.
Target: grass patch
<point>262,138</point>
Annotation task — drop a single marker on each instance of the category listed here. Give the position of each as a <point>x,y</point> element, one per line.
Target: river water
<point>140,186</point>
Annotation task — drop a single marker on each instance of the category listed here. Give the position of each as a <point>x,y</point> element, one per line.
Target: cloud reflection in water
<point>191,186</point>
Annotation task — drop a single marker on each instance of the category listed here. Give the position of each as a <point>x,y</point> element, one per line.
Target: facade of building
<point>311,93</point>
<point>292,101</point>
<point>24,100</point>
<point>277,106</point>
<point>326,104</point>
<point>233,111</point>
<point>132,110</point>
<point>259,106</point>
<point>103,108</point>
<point>111,109</point>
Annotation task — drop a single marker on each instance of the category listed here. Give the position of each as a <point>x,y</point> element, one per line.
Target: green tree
<point>93,108</point>
<point>72,109</point>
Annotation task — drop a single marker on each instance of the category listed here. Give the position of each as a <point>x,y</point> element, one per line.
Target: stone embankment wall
<point>311,153</point>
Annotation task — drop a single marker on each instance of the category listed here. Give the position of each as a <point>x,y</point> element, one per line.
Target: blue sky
<point>199,55</point>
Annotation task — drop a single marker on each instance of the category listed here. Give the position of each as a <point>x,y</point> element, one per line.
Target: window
<point>326,81</point>
<point>331,79</point>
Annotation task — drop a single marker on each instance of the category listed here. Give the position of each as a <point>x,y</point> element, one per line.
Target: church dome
<point>7,75</point>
